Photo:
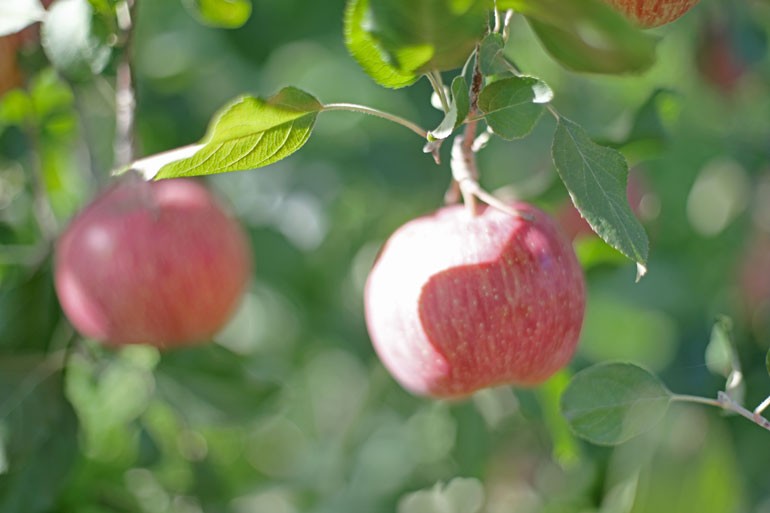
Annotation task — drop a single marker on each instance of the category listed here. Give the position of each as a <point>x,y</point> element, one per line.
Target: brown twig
<point>125,97</point>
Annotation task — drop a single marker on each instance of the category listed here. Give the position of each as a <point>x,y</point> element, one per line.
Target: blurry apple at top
<point>653,13</point>
<point>157,263</point>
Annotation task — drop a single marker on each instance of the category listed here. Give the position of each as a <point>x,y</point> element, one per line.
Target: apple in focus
<point>652,13</point>
<point>456,303</point>
<point>157,263</point>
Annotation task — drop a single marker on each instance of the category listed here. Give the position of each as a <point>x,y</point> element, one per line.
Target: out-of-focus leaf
<point>608,404</point>
<point>210,384</point>
<point>221,13</point>
<point>17,14</point>
<point>29,312</point>
<point>39,433</point>
<point>251,133</point>
<point>396,40</point>
<point>460,495</point>
<point>596,178</point>
<point>587,35</point>
<point>458,110</point>
<point>648,134</point>
<point>722,358</point>
<point>69,41</point>
<point>512,106</point>
<point>565,446</point>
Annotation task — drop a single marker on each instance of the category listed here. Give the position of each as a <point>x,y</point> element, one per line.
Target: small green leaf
<point>251,133</point>
<point>458,110</point>
<point>368,52</point>
<point>17,14</point>
<point>395,41</point>
<point>596,177</point>
<point>610,403</point>
<point>69,41</point>
<point>587,35</point>
<point>220,13</point>
<point>491,58</point>
<point>512,106</point>
<point>722,358</point>
<point>460,495</point>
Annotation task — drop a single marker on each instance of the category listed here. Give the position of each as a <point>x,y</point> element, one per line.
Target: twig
<point>725,402</point>
<point>125,97</point>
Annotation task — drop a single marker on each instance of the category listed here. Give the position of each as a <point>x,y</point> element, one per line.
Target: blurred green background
<point>290,410</point>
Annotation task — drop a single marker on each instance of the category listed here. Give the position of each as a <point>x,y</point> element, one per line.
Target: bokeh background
<point>289,410</point>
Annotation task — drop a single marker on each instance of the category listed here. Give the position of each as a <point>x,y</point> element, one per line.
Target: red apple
<point>159,263</point>
<point>652,13</point>
<point>456,303</point>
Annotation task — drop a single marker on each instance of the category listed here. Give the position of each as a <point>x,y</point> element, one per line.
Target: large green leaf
<point>596,178</point>
<point>587,35</point>
<point>395,41</point>
<point>38,431</point>
<point>251,133</point>
<point>221,13</point>
<point>610,403</point>
<point>512,106</point>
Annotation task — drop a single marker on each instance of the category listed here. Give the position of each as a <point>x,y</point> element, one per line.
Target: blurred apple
<point>719,61</point>
<point>456,303</point>
<point>159,263</point>
<point>653,13</point>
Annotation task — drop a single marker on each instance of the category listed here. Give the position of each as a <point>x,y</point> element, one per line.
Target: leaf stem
<point>434,77</point>
<point>725,402</point>
<point>363,109</point>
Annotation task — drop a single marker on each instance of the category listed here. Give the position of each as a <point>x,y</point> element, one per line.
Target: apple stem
<point>465,172</point>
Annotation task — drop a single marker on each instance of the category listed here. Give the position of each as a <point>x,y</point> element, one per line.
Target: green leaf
<point>491,58</point>
<point>395,41</point>
<point>610,403</point>
<point>17,14</point>
<point>512,106</point>
<point>210,385</point>
<point>368,52</point>
<point>29,311</point>
<point>251,133</point>
<point>460,495</point>
<point>587,35</point>
<point>596,177</point>
<point>458,110</point>
<point>722,358</point>
<point>69,42</point>
<point>648,135</point>
<point>220,13</point>
<point>38,430</point>
<point>565,446</point>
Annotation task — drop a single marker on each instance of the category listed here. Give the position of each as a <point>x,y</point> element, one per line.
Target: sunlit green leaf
<point>251,133</point>
<point>596,179</point>
<point>610,403</point>
<point>512,106</point>
<point>367,50</point>
<point>458,110</point>
<point>565,445</point>
<point>221,13</point>
<point>395,41</point>
<point>17,14</point>
<point>587,35</point>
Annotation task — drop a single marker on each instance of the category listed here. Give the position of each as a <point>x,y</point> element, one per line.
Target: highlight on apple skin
<point>653,13</point>
<point>158,263</point>
<point>456,303</point>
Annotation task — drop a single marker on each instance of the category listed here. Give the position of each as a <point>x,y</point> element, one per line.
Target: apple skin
<point>456,303</point>
<point>652,13</point>
<point>158,263</point>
